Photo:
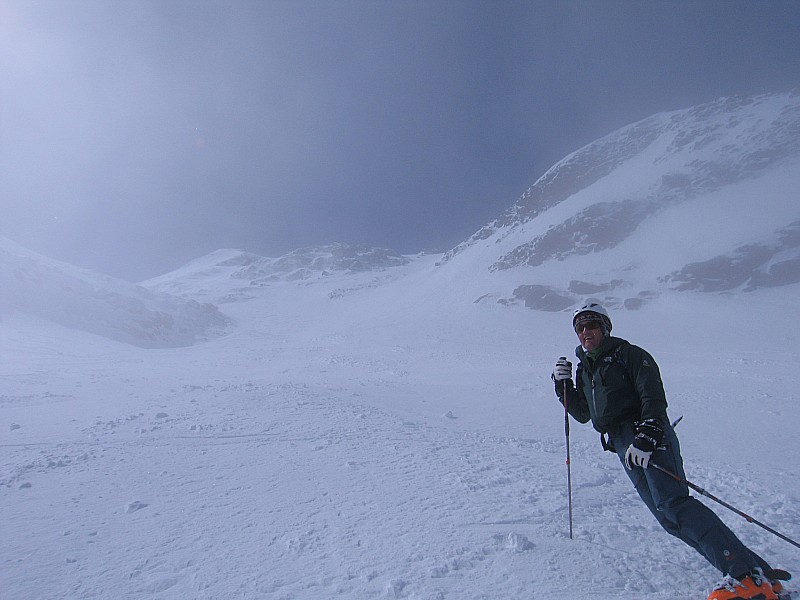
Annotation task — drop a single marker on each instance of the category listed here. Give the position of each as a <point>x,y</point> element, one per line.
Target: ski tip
<point>779,574</point>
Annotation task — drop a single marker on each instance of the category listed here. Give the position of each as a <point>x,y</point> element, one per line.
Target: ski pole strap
<point>700,490</point>
<point>608,445</point>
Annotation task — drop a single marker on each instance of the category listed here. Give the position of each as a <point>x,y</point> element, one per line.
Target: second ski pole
<point>700,490</point>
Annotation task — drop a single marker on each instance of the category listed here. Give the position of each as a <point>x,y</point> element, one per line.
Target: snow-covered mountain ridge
<point>230,275</point>
<point>713,187</point>
<point>700,199</point>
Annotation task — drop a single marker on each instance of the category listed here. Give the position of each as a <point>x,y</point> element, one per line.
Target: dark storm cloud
<point>136,135</point>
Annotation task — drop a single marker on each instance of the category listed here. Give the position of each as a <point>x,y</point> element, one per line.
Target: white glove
<point>634,457</point>
<point>563,369</point>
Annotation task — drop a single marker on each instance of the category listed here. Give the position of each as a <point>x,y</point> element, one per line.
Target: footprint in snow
<point>132,507</point>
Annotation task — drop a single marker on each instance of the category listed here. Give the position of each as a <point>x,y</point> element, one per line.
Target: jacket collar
<point>608,346</point>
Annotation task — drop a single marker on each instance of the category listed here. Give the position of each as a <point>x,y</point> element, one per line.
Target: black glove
<point>649,434</point>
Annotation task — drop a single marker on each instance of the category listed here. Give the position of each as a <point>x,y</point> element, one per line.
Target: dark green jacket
<point>620,384</point>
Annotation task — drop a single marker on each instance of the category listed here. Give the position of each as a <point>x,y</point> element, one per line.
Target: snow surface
<point>377,435</point>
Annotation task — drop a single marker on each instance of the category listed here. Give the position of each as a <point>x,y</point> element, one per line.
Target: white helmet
<point>594,308</point>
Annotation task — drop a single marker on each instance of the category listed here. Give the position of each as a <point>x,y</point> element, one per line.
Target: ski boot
<point>753,586</point>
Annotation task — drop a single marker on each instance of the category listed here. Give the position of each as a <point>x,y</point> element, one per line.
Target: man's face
<point>590,334</point>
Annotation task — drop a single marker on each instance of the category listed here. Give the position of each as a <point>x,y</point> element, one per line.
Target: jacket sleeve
<point>577,406</point>
<point>647,381</point>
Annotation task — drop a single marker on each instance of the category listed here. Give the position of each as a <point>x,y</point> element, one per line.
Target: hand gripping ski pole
<point>569,469</point>
<point>700,490</point>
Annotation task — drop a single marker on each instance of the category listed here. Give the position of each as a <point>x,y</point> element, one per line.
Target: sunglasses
<point>580,327</point>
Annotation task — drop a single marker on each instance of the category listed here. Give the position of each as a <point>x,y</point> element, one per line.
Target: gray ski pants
<point>680,514</point>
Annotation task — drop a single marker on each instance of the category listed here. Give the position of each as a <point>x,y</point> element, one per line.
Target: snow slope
<point>99,304</point>
<point>370,430</point>
<point>355,445</point>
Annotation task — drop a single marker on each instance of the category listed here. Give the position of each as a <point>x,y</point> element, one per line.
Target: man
<point>618,386</point>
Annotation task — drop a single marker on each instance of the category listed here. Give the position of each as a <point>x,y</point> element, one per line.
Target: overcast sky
<point>136,135</point>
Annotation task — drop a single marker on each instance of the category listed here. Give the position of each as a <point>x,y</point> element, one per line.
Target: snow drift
<point>98,304</point>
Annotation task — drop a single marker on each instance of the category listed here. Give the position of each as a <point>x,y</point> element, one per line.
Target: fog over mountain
<point>136,138</point>
<point>700,199</point>
<point>695,200</point>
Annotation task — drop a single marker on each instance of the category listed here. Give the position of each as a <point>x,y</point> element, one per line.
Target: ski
<point>781,575</point>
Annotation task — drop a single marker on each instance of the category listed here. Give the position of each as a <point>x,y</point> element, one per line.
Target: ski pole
<point>700,490</point>
<point>569,469</point>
